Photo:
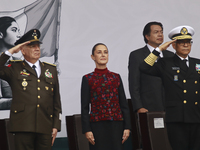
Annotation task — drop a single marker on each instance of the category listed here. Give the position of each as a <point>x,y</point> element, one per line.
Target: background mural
<point>71,27</point>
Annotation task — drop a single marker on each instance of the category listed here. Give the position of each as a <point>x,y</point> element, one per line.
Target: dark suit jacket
<point>182,88</point>
<point>36,102</point>
<point>146,91</point>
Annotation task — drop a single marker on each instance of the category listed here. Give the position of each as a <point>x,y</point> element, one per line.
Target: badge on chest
<point>177,69</point>
<point>197,67</point>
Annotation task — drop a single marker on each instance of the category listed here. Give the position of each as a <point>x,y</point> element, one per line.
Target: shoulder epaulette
<point>13,61</point>
<point>50,64</point>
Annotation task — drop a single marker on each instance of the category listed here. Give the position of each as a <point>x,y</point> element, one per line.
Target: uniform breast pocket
<point>49,86</point>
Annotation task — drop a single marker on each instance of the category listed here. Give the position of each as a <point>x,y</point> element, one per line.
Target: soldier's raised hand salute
<point>166,45</point>
<point>18,47</point>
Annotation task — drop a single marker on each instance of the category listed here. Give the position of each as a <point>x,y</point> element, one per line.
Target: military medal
<point>198,68</point>
<point>48,74</point>
<point>24,73</point>
<point>24,84</point>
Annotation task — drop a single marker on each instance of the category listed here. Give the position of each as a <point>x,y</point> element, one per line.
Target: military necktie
<point>34,69</point>
<point>184,64</point>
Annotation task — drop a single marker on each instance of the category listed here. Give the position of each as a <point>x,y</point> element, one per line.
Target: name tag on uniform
<point>175,68</point>
<point>175,77</point>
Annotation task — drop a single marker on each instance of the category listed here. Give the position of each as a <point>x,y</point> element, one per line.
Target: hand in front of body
<point>89,135</point>
<point>166,45</point>
<point>18,47</point>
<point>142,110</point>
<point>125,135</point>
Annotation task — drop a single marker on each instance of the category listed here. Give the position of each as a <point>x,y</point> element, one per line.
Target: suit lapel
<point>191,68</point>
<point>146,51</point>
<point>178,63</point>
<point>42,69</point>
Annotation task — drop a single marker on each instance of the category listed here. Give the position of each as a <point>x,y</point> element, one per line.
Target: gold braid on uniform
<point>50,64</point>
<point>150,59</point>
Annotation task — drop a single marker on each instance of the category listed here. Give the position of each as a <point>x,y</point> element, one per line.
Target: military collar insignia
<point>48,74</point>
<point>184,31</point>
<point>198,68</point>
<point>24,73</point>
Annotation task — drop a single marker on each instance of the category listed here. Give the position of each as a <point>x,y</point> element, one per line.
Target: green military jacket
<point>36,105</point>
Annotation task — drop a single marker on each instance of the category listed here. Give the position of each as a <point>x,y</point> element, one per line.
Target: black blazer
<point>146,91</point>
<point>182,87</point>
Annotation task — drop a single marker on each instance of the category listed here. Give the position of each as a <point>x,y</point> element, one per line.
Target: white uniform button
<point>185,91</point>
<point>184,101</point>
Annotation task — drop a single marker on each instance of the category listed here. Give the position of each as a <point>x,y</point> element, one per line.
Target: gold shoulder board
<point>15,61</point>
<point>49,64</point>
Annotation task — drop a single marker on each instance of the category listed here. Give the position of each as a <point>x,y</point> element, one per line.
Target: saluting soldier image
<point>180,75</point>
<point>35,115</point>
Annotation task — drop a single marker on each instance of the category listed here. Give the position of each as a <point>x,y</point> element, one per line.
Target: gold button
<point>185,91</point>
<point>184,101</point>
<point>178,71</point>
<point>195,82</point>
<point>196,92</point>
<point>15,111</point>
<point>38,96</point>
<point>196,103</point>
<point>38,105</point>
<point>38,80</point>
<point>38,88</point>
<point>184,81</point>
<point>50,82</point>
<point>51,116</point>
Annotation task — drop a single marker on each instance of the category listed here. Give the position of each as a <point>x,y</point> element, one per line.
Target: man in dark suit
<point>181,76</point>
<point>147,93</point>
<point>35,115</point>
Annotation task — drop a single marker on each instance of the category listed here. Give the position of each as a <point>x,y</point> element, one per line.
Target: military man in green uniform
<point>35,115</point>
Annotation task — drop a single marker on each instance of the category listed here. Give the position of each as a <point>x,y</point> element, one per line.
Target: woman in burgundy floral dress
<point>104,109</point>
